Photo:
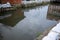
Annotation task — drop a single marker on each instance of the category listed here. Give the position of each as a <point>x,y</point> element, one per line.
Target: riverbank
<point>44,33</point>
<point>24,6</point>
<point>34,23</point>
<point>34,4</point>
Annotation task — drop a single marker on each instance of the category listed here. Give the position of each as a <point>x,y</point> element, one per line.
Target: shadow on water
<point>26,24</point>
<point>11,18</point>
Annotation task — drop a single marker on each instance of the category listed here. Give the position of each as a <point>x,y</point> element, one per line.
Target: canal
<point>24,24</point>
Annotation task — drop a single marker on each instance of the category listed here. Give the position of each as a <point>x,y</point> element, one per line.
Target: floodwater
<point>24,24</point>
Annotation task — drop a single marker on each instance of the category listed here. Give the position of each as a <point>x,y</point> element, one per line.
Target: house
<point>12,2</point>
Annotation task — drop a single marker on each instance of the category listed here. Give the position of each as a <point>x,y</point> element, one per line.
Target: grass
<point>38,34</point>
<point>34,5</point>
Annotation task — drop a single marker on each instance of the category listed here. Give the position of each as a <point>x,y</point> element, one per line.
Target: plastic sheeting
<point>53,34</point>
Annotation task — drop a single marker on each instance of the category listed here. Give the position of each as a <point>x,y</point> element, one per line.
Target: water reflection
<point>12,18</point>
<point>35,21</point>
<point>54,12</point>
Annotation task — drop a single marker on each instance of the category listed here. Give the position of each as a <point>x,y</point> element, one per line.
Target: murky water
<point>25,24</point>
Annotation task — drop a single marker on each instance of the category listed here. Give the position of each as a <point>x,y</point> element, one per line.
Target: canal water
<point>24,24</point>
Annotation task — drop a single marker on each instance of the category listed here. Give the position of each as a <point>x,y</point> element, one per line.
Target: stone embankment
<point>44,34</point>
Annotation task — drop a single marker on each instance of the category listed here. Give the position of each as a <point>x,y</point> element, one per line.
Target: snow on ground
<point>53,34</point>
<point>5,5</point>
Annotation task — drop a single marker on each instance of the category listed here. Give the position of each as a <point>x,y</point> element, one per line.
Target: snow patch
<point>5,5</point>
<point>53,34</point>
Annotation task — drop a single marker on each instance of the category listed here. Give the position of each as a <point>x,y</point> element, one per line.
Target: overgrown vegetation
<point>38,34</point>
<point>34,5</point>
